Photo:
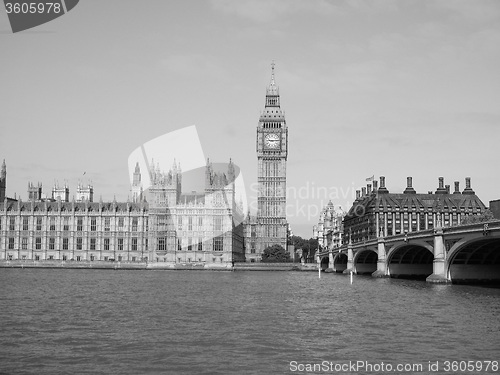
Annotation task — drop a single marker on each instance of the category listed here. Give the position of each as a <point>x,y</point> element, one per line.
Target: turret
<point>34,192</point>
<point>231,172</point>
<point>61,193</point>
<point>3,173</point>
<point>84,193</point>
<point>3,182</point>
<point>136,184</point>
<point>208,174</point>
<point>272,117</point>
<point>272,91</point>
<point>137,175</point>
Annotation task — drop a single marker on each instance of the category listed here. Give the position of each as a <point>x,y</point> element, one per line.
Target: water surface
<point>202,322</point>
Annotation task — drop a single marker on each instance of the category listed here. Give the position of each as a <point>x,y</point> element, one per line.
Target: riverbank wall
<point>158,266</point>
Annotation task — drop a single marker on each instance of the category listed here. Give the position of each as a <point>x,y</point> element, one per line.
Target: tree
<point>296,241</point>
<point>485,216</point>
<point>275,254</point>
<point>313,247</point>
<point>308,247</point>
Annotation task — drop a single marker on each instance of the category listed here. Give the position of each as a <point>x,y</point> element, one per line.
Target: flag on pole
<point>370,178</point>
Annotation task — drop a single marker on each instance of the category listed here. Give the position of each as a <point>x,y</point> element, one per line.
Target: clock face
<point>272,141</point>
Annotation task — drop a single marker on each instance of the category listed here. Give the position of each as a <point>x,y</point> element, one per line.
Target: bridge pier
<point>350,259</point>
<point>439,265</point>
<point>330,262</point>
<point>382,261</point>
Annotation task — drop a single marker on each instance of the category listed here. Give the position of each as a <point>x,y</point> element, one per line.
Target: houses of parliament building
<point>161,225</point>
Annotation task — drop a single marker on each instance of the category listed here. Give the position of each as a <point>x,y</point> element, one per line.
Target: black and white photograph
<point>250,187</point>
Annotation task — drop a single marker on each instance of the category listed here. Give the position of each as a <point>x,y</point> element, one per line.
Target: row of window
<point>445,217</point>
<point>190,260</point>
<point>413,223</point>
<point>430,209</point>
<point>272,101</point>
<point>407,215</point>
<point>217,244</point>
<point>219,200</point>
<point>79,243</point>
<point>401,223</point>
<point>272,231</point>
<point>65,225</point>
<point>190,221</point>
<point>272,125</point>
<point>79,258</point>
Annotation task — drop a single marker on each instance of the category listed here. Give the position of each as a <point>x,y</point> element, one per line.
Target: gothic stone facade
<point>55,230</point>
<point>330,227</point>
<point>197,227</point>
<point>171,228</point>
<point>269,226</point>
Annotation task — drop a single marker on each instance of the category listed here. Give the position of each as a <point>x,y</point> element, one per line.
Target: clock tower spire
<point>272,92</point>
<point>272,152</point>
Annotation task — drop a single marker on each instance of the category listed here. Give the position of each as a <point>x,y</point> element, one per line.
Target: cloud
<point>484,43</point>
<point>487,121</point>
<point>193,65</point>
<point>271,10</point>
<point>468,11</point>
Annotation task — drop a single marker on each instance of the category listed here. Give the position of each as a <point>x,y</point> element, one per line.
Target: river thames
<point>62,321</point>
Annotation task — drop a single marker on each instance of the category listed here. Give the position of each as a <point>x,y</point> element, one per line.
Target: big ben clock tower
<point>272,151</point>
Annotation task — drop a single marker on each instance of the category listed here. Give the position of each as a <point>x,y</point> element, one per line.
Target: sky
<point>369,88</point>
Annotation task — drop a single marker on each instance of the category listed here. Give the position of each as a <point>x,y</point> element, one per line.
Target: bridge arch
<point>475,260</point>
<point>339,262</point>
<point>410,260</point>
<point>324,264</point>
<point>365,261</point>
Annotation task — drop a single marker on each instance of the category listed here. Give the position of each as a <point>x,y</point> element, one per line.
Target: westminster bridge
<point>465,253</point>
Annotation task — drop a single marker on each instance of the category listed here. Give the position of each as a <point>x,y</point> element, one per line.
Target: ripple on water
<point>97,321</point>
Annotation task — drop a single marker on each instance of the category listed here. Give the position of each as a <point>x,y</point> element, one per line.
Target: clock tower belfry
<point>272,152</point>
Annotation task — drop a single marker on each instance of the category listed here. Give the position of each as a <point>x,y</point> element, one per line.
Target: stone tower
<point>34,191</point>
<point>163,196</point>
<point>60,193</point>
<point>137,184</point>
<point>272,151</point>
<point>84,193</point>
<point>3,181</point>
